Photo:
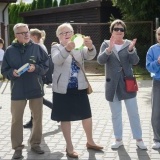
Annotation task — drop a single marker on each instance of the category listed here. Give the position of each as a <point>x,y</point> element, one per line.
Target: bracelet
<point>67,50</point>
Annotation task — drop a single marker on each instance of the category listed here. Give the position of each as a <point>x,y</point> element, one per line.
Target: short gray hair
<point>19,25</point>
<point>64,25</point>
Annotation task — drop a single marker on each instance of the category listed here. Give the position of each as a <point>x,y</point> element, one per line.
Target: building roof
<point>8,1</point>
<point>67,8</point>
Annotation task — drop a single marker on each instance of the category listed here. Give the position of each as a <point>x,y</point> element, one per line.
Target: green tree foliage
<point>28,7</point>
<point>67,2</point>
<point>34,5</point>
<point>79,1</point>
<point>55,3</point>
<point>83,0</point>
<point>21,8</point>
<point>11,10</point>
<point>15,14</point>
<point>138,9</point>
<point>40,4</point>
<point>47,3</point>
<point>71,1</point>
<point>62,3</point>
<point>15,10</point>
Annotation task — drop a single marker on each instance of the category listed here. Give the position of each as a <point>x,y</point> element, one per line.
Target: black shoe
<point>28,124</point>
<point>17,154</point>
<point>37,149</point>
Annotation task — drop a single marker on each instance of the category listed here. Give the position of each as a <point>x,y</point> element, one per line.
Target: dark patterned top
<point>73,82</point>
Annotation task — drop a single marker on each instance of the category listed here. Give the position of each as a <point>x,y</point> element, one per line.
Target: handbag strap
<point>121,66</point>
<point>80,66</point>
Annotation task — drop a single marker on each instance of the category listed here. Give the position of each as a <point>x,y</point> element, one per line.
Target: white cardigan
<point>62,67</point>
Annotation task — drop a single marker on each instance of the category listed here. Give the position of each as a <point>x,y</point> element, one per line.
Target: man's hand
<point>31,68</point>
<point>15,73</point>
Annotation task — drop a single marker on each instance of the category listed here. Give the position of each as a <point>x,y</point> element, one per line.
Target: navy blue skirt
<point>72,106</point>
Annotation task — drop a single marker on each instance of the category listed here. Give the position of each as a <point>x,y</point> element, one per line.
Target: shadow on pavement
<point>48,153</point>
<point>142,154</point>
<point>52,132</point>
<point>92,154</point>
<point>122,153</point>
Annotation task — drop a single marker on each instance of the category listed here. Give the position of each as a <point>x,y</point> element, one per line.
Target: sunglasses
<point>118,29</point>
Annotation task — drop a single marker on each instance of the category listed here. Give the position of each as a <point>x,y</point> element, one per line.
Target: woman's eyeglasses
<point>118,29</point>
<point>65,33</point>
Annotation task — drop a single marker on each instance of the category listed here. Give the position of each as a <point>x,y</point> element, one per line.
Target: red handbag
<point>131,84</point>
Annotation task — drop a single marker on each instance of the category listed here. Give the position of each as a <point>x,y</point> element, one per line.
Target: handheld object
<point>78,39</point>
<point>23,69</point>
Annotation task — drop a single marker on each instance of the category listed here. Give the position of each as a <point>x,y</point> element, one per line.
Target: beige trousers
<point>17,111</point>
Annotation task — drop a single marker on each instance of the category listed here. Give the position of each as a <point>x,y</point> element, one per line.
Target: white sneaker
<point>141,145</point>
<point>117,144</point>
<point>156,145</point>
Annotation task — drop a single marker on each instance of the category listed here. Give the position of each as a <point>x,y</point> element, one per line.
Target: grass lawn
<point>141,73</point>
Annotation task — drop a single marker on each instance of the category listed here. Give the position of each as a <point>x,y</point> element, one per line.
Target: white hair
<point>19,25</point>
<point>64,25</point>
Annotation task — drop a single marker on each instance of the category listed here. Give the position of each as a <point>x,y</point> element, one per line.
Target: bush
<point>40,4</point>
<point>55,3</point>
<point>47,3</point>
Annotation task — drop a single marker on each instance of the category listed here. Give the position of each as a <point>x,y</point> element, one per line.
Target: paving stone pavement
<point>54,144</point>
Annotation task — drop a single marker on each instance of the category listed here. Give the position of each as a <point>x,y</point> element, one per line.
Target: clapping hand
<point>111,44</point>
<point>132,44</point>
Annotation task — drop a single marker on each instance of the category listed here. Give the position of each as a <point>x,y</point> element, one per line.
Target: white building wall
<point>2,7</point>
<point>4,19</point>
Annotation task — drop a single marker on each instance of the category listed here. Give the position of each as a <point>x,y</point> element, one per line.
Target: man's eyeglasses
<point>65,33</point>
<point>118,29</point>
<point>23,33</point>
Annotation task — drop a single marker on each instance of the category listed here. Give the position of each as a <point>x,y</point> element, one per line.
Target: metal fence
<point>143,31</point>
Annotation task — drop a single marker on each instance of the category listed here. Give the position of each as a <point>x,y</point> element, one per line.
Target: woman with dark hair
<point>119,55</point>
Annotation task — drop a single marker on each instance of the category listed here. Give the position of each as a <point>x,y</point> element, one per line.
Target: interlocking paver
<point>53,141</point>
